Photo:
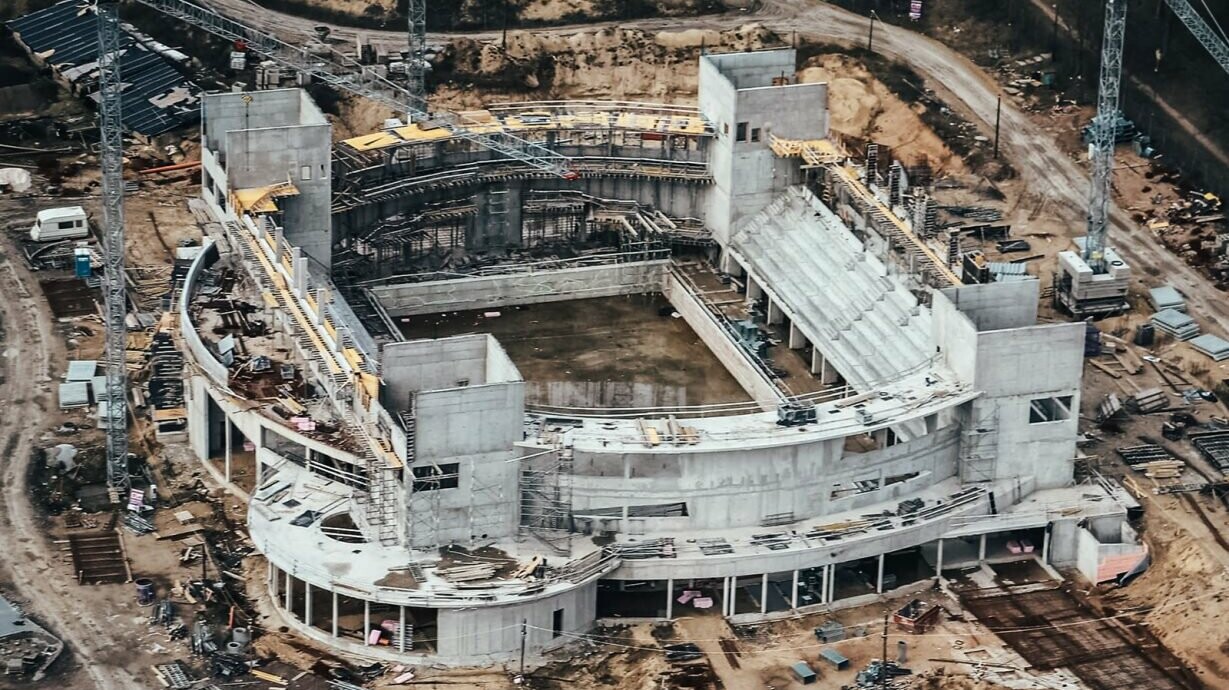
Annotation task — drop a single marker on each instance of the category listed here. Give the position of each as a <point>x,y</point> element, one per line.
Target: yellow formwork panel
<point>415,133</point>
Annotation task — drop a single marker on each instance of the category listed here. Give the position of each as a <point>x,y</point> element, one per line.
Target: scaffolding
<point>546,498</point>
<point>979,440</point>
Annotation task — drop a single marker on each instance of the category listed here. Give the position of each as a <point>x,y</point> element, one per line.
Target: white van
<point>63,223</point>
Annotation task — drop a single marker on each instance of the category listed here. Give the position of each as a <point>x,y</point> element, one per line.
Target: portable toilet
<point>81,262</point>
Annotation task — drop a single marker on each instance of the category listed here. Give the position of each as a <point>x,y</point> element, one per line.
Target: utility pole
<point>111,153</point>
<point>1054,37</point>
<point>883,660</point>
<point>998,111</point>
<point>870,37</point>
<point>524,634</point>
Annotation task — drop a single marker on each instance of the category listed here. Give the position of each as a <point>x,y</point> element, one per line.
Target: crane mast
<point>1104,130</point>
<point>111,150</point>
<point>416,65</point>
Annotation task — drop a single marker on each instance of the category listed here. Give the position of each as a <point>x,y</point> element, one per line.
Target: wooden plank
<point>1105,368</point>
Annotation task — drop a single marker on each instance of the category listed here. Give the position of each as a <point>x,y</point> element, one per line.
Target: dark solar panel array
<point>67,38</point>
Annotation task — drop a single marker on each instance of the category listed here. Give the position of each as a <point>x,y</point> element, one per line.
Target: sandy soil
<point>33,354</point>
<point>606,64</point>
<point>859,105</point>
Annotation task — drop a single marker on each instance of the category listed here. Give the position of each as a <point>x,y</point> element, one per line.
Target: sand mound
<point>861,106</point>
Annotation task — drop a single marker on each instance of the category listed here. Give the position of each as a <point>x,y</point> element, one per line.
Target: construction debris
<point>1150,400</point>
<point>26,649</point>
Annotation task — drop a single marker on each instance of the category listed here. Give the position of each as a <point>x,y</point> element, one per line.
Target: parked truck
<point>63,223</point>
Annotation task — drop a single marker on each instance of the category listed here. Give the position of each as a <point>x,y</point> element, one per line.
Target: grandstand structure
<point>417,500</point>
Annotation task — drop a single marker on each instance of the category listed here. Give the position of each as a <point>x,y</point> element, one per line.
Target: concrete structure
<point>410,489</point>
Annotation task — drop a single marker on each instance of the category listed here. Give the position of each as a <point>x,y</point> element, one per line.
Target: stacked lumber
<point>1150,400</point>
<point>468,573</point>
<point>1161,469</point>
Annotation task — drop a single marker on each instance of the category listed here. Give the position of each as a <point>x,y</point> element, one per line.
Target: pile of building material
<point>468,573</point>
<point>1153,460</point>
<point>917,616</point>
<point>1213,346</point>
<point>1214,446</point>
<point>1175,323</point>
<point>1166,297</point>
<point>1149,400</point>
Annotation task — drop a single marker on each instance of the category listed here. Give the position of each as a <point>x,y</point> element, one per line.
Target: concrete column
<point>793,592</point>
<point>297,280</point>
<point>366,621</point>
<point>823,592</point>
<point>1045,546</point>
<point>271,579</point>
<point>764,594</point>
<point>939,561</point>
<point>981,549</point>
<point>775,315</point>
<point>879,581</point>
<point>401,633</point>
<point>307,603</point>
<point>289,591</point>
<point>227,441</point>
<point>334,614</point>
<point>669,598</point>
<point>797,340</point>
<point>727,603</point>
<point>817,362</point>
<point>828,374</point>
<point>881,441</point>
<point>832,584</point>
<point>300,276</point>
<point>754,291</point>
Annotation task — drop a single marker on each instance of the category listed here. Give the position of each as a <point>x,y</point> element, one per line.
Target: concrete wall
<point>823,553</point>
<point>1014,367</point>
<point>422,365</point>
<point>496,630</point>
<point>201,354</point>
<point>436,296</point>
<point>474,427</point>
<point>270,137</point>
<point>1103,557</point>
<point>739,488</point>
<point>955,335</point>
<point>737,88</point>
<point>995,306</point>
<point>732,356</point>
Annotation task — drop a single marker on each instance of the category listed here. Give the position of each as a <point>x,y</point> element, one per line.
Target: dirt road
<point>962,84</point>
<point>30,564</point>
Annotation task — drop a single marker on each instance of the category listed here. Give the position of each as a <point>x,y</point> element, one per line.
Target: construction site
<point>649,345</point>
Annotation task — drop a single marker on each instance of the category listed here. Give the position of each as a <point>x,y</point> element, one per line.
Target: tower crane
<point>1105,288</point>
<point>115,309</point>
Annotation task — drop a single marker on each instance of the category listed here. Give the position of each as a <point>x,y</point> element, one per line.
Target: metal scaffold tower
<point>416,59</point>
<point>345,73</point>
<point>1103,132</point>
<point>546,498</point>
<point>111,131</point>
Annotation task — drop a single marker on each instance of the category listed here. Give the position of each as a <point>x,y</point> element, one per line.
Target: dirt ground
<point>610,339</point>
<point>859,105</point>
